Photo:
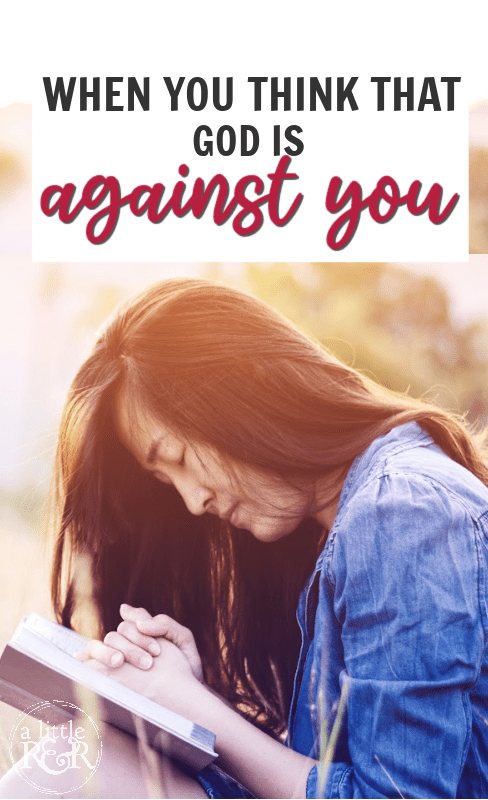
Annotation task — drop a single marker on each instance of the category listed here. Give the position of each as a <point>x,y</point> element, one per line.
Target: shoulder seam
<point>435,483</point>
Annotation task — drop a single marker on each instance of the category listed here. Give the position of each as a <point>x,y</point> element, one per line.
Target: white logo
<point>69,751</point>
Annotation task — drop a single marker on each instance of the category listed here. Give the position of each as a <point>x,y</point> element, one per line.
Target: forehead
<point>143,435</point>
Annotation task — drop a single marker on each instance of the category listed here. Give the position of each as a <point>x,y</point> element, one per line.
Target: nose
<point>196,497</point>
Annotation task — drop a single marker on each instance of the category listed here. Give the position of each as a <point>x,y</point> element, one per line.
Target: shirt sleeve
<point>404,577</point>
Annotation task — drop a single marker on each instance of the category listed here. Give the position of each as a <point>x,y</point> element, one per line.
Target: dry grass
<point>24,581</point>
<point>23,588</point>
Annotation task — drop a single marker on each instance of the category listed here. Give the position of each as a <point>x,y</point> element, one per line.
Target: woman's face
<point>266,506</point>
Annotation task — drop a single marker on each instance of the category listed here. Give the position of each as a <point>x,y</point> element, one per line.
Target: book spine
<point>203,736</point>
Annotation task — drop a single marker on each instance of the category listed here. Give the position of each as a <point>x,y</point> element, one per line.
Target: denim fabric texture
<point>218,785</point>
<point>396,615</point>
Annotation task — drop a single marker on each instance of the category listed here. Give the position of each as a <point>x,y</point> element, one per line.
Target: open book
<point>38,665</point>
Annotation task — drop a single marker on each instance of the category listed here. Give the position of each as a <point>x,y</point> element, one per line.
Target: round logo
<point>60,757</point>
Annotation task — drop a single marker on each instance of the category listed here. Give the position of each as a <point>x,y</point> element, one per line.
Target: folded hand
<point>143,643</point>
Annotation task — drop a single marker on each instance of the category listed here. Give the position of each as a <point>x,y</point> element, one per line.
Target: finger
<point>132,653</point>
<point>161,625</point>
<point>132,614</point>
<point>130,631</point>
<point>104,654</point>
<point>182,637</point>
<point>97,666</point>
<point>81,656</point>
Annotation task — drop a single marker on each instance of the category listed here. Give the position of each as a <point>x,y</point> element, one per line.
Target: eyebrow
<point>153,451</point>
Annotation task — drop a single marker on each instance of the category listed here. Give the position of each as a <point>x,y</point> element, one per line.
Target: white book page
<point>38,638</point>
<point>67,640</point>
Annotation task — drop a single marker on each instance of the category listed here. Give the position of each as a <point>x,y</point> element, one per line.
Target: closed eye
<point>164,478</point>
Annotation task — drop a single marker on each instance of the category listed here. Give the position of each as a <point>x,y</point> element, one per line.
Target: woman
<point>222,471</point>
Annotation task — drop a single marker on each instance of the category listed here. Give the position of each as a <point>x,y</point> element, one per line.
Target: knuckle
<point>186,636</point>
<point>124,627</point>
<point>134,654</point>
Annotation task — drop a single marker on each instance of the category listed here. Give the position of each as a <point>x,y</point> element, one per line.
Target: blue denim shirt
<point>396,614</point>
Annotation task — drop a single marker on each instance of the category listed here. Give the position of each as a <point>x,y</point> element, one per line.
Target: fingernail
<point>124,607</point>
<point>80,655</point>
<point>154,648</point>
<point>145,662</point>
<point>116,660</point>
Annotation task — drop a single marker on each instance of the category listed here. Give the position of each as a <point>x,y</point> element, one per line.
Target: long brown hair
<point>223,368</point>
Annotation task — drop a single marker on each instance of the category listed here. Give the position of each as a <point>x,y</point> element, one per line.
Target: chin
<point>272,531</point>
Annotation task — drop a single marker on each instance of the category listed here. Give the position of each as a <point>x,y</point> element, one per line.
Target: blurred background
<point>478,179</point>
<point>421,328</point>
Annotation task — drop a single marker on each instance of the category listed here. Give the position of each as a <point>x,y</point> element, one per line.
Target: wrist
<point>190,695</point>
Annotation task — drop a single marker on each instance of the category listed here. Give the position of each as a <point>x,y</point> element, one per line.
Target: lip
<point>231,514</point>
<point>234,517</point>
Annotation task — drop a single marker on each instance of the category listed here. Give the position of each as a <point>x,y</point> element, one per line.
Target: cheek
<point>264,496</point>
<point>293,501</point>
<point>285,508</point>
